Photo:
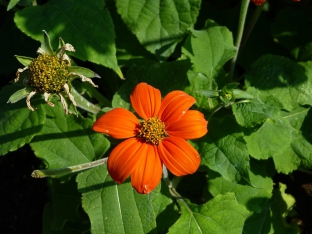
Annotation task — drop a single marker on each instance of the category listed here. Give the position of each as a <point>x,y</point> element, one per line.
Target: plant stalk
<point>241,25</point>
<point>67,170</point>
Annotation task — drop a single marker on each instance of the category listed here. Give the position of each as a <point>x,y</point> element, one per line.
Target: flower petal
<point>178,156</point>
<point>118,123</point>
<point>147,174</point>
<point>174,105</point>
<point>192,125</point>
<point>125,157</point>
<point>146,100</point>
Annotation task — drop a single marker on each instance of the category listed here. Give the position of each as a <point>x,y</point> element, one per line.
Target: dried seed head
<point>48,74</point>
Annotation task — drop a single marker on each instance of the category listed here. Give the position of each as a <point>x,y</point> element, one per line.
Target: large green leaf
<point>224,150</point>
<point>209,48</point>
<point>67,140</point>
<point>18,124</point>
<point>270,139</point>
<point>165,209</point>
<point>63,206</point>
<point>254,197</point>
<point>84,24</point>
<point>256,110</point>
<point>115,208</point>
<point>222,215</point>
<point>273,219</point>
<point>282,78</point>
<point>159,24</point>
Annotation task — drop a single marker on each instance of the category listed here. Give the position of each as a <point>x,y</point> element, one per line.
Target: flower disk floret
<point>159,138</point>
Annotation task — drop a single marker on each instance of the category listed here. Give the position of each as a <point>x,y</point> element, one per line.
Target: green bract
<point>51,74</point>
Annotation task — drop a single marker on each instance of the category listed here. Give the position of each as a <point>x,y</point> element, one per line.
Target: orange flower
<point>160,138</point>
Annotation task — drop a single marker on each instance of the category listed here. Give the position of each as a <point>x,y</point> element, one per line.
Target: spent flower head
<point>159,138</point>
<point>50,74</point>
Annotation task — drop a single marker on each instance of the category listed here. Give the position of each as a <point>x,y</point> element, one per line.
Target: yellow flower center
<point>152,130</point>
<point>48,74</point>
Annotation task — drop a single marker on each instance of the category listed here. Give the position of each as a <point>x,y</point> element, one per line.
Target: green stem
<point>34,2</point>
<point>67,170</point>
<point>215,110</point>
<point>241,25</point>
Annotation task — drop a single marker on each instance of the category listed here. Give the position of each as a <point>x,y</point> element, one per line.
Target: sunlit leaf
<point>224,150</point>
<point>270,139</point>
<point>18,124</point>
<point>254,196</point>
<point>210,217</point>
<point>257,110</point>
<point>84,24</point>
<point>209,48</point>
<point>115,208</point>
<point>284,79</point>
<point>159,24</point>
<point>67,140</point>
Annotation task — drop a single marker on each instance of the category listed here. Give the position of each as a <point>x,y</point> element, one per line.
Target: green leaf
<point>165,209</point>
<point>283,79</point>
<point>77,227</point>
<point>224,150</point>
<point>67,140</point>
<point>46,44</point>
<point>83,71</point>
<point>199,83</point>
<point>298,152</point>
<point>260,222</point>
<point>273,218</point>
<point>270,139</point>
<point>167,76</point>
<point>303,149</point>
<point>63,215</point>
<point>209,49</point>
<point>220,215</point>
<point>254,197</point>
<point>26,61</point>
<point>256,110</point>
<point>65,201</point>
<point>12,4</point>
<point>287,160</point>
<point>115,208</point>
<point>283,204</point>
<point>18,124</point>
<point>84,24</point>
<point>18,95</point>
<point>159,25</point>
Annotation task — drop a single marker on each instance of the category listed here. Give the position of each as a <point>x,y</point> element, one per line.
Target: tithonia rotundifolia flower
<point>50,74</point>
<point>159,137</point>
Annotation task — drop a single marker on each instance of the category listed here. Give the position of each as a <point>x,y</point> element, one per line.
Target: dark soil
<point>22,198</point>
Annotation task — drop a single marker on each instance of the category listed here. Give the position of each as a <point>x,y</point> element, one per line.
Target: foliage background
<point>261,138</point>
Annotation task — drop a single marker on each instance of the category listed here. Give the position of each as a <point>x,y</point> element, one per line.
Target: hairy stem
<point>241,25</point>
<point>67,170</point>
